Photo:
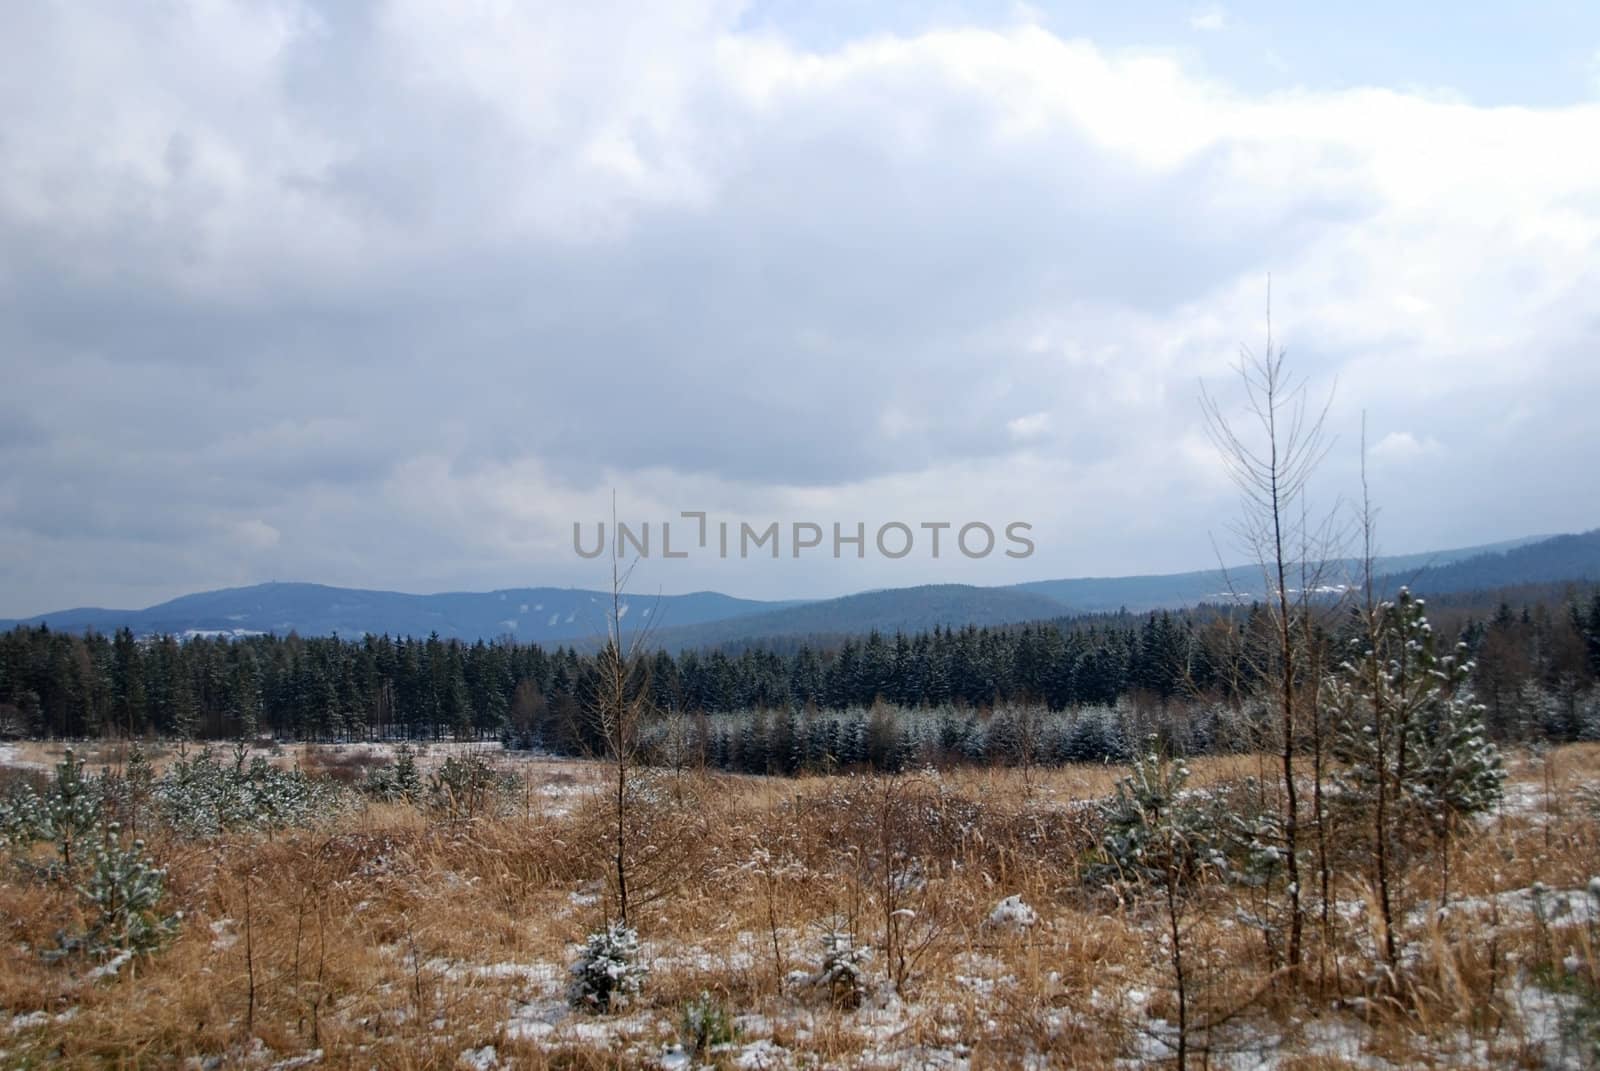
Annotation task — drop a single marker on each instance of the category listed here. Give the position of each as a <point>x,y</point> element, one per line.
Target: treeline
<point>1535,665</point>
<point>890,738</point>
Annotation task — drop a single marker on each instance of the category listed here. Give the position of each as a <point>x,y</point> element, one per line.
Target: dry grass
<point>393,940</point>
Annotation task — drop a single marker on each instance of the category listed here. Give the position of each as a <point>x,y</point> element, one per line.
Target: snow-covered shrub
<point>23,819</point>
<point>123,892</point>
<point>842,974</point>
<point>1153,834</point>
<point>398,781</point>
<point>1011,915</point>
<point>608,971</point>
<point>128,794</point>
<point>1249,833</point>
<point>706,1023</point>
<point>202,797</point>
<point>466,786</point>
<point>72,809</point>
<point>138,784</point>
<point>1405,720</point>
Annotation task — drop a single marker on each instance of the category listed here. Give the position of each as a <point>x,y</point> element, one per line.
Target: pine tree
<point>1412,738</point>
<point>608,972</point>
<point>407,782</point>
<point>140,781</point>
<point>1158,841</point>
<point>73,810</point>
<point>125,891</point>
<point>1404,715</point>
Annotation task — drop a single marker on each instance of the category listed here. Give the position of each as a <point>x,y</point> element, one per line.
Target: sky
<point>390,294</point>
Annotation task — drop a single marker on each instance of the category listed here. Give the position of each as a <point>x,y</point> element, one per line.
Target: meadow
<point>955,918</point>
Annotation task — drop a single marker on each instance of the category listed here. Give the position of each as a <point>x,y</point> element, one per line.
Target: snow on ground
<point>11,755</point>
<point>544,978</point>
<point>981,973</point>
<point>479,1059</point>
<point>223,934</point>
<point>1542,1037</point>
<point>1012,914</point>
<point>1556,907</point>
<point>1526,799</point>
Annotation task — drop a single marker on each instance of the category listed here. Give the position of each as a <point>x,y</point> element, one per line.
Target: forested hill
<point>1244,582</point>
<point>550,616</point>
<point>1535,663</point>
<point>912,609</point>
<point>1563,557</point>
<point>894,610</point>
<point>539,615</point>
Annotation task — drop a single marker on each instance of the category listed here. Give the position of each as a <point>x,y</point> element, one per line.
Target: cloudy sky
<point>389,294</point>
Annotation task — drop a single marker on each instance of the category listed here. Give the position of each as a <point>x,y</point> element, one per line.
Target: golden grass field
<point>393,938</point>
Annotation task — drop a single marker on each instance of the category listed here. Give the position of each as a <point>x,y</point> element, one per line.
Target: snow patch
<point>12,757</point>
<point>1012,915</point>
<point>479,1059</point>
<point>760,1055</point>
<point>222,935</point>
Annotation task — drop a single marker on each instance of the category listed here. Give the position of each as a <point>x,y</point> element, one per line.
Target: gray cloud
<point>379,294</point>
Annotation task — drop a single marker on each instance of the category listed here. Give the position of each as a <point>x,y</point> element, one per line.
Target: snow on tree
<point>202,797</point>
<point>72,809</point>
<point>706,1024</point>
<point>842,974</point>
<point>1405,721</point>
<point>1413,740</point>
<point>608,972</point>
<point>23,819</point>
<point>1153,835</point>
<point>124,891</point>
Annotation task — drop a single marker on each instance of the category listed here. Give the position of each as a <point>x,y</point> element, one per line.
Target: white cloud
<point>1029,428</point>
<point>1402,447</point>
<point>255,534</point>
<point>1208,20</point>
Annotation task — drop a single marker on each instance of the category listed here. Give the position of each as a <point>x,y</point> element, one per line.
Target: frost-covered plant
<point>1411,739</point>
<point>466,785</point>
<point>843,971</point>
<point>608,972</point>
<point>1011,915</point>
<point>1406,724</point>
<point>124,890</point>
<point>138,783</point>
<point>706,1023</point>
<point>1589,718</point>
<point>72,808</point>
<point>399,781</point>
<point>127,795</point>
<point>200,796</point>
<point>23,819</point>
<point>1587,797</point>
<point>1153,835</point>
<point>407,782</point>
<point>1245,833</point>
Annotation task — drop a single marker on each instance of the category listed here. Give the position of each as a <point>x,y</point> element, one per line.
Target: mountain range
<point>553,616</point>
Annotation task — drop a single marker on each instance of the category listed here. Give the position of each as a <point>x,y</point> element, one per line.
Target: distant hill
<point>1563,557</point>
<point>1170,591</point>
<point>538,615</point>
<point>904,609</point>
<point>553,616</point>
<point>913,609</point>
